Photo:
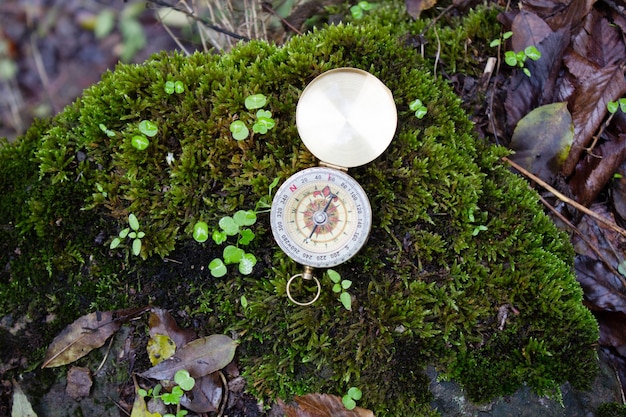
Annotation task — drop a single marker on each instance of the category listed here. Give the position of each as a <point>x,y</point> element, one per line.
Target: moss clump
<point>428,286</point>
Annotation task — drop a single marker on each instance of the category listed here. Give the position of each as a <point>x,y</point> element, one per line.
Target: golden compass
<point>321,216</point>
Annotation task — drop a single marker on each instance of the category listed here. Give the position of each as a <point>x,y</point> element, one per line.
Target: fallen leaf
<point>21,405</point>
<point>542,140</point>
<point>160,347</point>
<point>528,30</point>
<point>559,14</point>
<point>81,337</point>
<point>162,322</point>
<point>602,288</point>
<point>200,357</point>
<point>85,334</point>
<point>322,405</point>
<point>206,395</point>
<point>140,409</point>
<point>588,104</point>
<point>415,7</point>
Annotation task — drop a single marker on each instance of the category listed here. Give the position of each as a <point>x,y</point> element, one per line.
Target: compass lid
<point>346,117</point>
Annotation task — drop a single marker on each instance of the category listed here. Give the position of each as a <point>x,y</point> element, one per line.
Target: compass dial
<point>321,217</point>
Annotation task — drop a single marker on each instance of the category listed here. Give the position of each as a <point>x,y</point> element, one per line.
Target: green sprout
<point>147,129</point>
<point>613,106</point>
<point>477,228</point>
<point>340,286</point>
<point>131,232</point>
<point>263,205</point>
<point>358,11</point>
<point>172,87</point>
<point>234,226</point>
<point>184,382</point>
<point>349,400</point>
<point>106,131</point>
<point>418,107</point>
<point>517,59</point>
<point>201,232</point>
<point>262,123</point>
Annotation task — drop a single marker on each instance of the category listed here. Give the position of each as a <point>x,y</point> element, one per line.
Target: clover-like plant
<point>262,123</point>
<point>184,382</point>
<point>172,87</point>
<point>349,400</point>
<point>232,254</point>
<point>132,233</point>
<point>418,107</point>
<point>517,59</point>
<point>340,286</point>
<point>613,106</point>
<point>147,129</point>
<point>358,10</point>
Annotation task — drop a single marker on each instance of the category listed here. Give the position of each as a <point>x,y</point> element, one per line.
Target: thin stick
<point>610,224</point>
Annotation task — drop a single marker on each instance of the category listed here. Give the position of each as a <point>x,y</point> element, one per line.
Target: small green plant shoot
<point>517,59</point>
<point>358,10</point>
<point>418,107</point>
<point>131,232</point>
<point>264,205</point>
<point>147,129</point>
<point>263,118</point>
<point>106,131</point>
<point>477,228</point>
<point>172,87</point>
<point>201,232</point>
<point>233,226</point>
<point>184,382</point>
<point>349,400</point>
<point>340,286</point>
<point>613,106</point>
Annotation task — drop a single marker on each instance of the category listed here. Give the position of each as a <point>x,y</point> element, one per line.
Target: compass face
<point>320,217</point>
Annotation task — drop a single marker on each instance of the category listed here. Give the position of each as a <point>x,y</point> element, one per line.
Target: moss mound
<point>457,240</point>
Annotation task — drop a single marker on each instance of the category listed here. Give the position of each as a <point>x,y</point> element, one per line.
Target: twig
<point>594,249</point>
<point>268,8</point>
<point>610,224</point>
<point>205,22</point>
<point>41,70</point>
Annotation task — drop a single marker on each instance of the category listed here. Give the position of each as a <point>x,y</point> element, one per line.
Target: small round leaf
<point>239,130</point>
<point>255,101</point>
<point>148,128</point>
<point>140,142</point>
<point>133,222</point>
<point>247,264</point>
<point>245,217</point>
<point>229,226</point>
<point>169,87</point>
<point>136,247</point>
<point>217,267</point>
<point>184,380</point>
<point>346,300</point>
<point>179,87</point>
<point>232,254</point>
<point>201,232</point>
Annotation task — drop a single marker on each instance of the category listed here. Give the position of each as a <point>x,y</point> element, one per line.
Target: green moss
<point>611,410</point>
<point>427,287</point>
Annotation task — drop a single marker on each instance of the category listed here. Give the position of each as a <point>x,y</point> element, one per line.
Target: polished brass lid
<point>346,117</point>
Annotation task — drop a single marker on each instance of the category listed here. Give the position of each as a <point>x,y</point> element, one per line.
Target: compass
<point>321,216</point>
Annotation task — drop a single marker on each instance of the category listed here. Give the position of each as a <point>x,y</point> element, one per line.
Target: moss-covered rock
<point>462,270</point>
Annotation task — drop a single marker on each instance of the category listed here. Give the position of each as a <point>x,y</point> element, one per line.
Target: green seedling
<point>239,130</point>
<point>234,226</point>
<point>201,232</point>
<point>477,228</point>
<point>184,382</point>
<point>358,11</point>
<point>172,87</point>
<point>264,205</point>
<point>263,118</point>
<point>106,131</point>
<point>340,286</point>
<point>613,106</point>
<point>132,233</point>
<point>517,59</point>
<point>418,107</point>
<point>147,129</point>
<point>349,400</point>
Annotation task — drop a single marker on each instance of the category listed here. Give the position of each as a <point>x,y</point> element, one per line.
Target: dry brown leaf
<point>162,322</point>
<point>322,405</point>
<point>85,334</point>
<point>528,30</point>
<point>200,357</point>
<point>415,7</point>
<point>206,395</point>
<point>81,337</point>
